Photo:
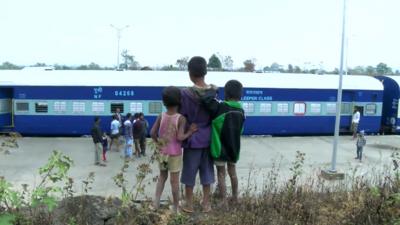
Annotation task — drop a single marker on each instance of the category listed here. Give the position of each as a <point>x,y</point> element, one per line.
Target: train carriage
<point>60,103</point>
<point>391,95</point>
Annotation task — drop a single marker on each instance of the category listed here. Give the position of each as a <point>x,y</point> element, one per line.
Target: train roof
<point>395,78</point>
<point>181,79</point>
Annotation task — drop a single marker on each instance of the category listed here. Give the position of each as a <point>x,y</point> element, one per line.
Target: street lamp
<point>119,31</point>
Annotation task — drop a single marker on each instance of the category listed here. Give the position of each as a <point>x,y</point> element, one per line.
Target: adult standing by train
<point>128,136</point>
<point>144,134</point>
<point>354,122</point>
<point>97,136</point>
<point>115,132</point>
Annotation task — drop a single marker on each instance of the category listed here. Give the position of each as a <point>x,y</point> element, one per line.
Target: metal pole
<point>339,94</point>
<point>119,31</point>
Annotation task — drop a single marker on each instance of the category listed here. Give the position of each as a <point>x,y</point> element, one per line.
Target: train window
<point>346,108</point>
<point>22,107</point>
<point>78,107</point>
<point>248,107</point>
<point>119,105</point>
<point>136,107</point>
<point>5,105</point>
<point>282,108</point>
<point>265,107</point>
<point>155,107</point>
<point>98,107</point>
<point>316,108</point>
<point>370,109</point>
<point>60,107</point>
<point>299,108</point>
<point>331,108</point>
<point>41,107</point>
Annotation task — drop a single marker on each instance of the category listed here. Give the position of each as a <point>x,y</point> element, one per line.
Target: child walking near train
<point>226,128</point>
<point>361,142</point>
<point>168,131</point>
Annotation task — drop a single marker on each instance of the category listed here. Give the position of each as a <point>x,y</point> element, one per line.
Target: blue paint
<point>391,95</point>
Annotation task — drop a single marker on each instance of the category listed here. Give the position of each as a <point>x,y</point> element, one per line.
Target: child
<point>196,152</point>
<point>226,128</point>
<point>138,130</point>
<point>361,142</point>
<point>104,142</point>
<point>168,132</point>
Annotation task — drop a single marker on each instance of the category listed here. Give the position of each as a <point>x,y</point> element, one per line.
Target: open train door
<point>6,114</point>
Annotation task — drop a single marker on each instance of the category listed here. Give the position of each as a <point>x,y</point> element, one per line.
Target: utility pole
<point>332,173</point>
<point>119,31</point>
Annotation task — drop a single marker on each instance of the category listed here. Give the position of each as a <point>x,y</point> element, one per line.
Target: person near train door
<point>137,134</point>
<point>354,122</point>
<point>115,132</point>
<point>97,135</point>
<point>128,137</point>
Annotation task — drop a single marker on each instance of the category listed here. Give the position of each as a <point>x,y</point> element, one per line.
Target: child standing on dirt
<point>361,142</point>
<point>104,142</point>
<point>226,128</point>
<point>168,132</point>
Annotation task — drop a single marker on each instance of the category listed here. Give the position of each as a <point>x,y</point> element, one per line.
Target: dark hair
<point>141,114</point>
<point>136,115</point>
<point>114,117</point>
<point>96,119</point>
<point>128,115</point>
<point>197,66</point>
<point>233,90</point>
<point>171,96</point>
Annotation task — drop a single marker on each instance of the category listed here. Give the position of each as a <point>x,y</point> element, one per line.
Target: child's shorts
<point>171,163</point>
<point>223,163</point>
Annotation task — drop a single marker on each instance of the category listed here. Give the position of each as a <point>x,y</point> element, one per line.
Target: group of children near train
<point>196,132</point>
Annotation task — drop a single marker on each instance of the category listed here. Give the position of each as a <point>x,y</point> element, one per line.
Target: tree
<point>290,68</point>
<point>275,67</point>
<point>39,64</point>
<point>370,70</point>
<point>129,61</point>
<point>9,66</point>
<point>382,69</point>
<point>94,66</point>
<point>249,65</point>
<point>214,62</point>
<point>182,63</point>
<point>297,69</point>
<point>228,63</point>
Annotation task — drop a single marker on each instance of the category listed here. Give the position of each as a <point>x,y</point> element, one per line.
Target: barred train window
<point>282,108</point>
<point>155,107</point>
<point>331,108</point>
<point>299,108</point>
<point>315,108</point>
<point>248,107</point>
<point>22,107</point>
<point>78,107</point>
<point>60,107</point>
<point>136,107</point>
<point>370,109</point>
<point>265,108</point>
<point>41,107</point>
<point>98,107</point>
<point>116,105</point>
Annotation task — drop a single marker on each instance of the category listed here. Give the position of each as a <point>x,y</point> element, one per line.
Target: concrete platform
<point>259,155</point>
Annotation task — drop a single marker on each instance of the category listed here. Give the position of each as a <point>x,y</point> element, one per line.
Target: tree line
<point>217,62</point>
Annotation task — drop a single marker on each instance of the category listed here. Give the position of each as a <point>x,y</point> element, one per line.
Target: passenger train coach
<point>64,103</point>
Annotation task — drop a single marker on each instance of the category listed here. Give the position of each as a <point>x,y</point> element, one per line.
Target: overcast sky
<point>286,31</point>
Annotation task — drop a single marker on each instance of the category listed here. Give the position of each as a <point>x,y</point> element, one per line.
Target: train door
<point>6,114</point>
<point>360,109</point>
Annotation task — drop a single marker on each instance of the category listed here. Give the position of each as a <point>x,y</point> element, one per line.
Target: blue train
<point>63,103</point>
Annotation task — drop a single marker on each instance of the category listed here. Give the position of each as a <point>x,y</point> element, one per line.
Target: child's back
<point>168,133</point>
